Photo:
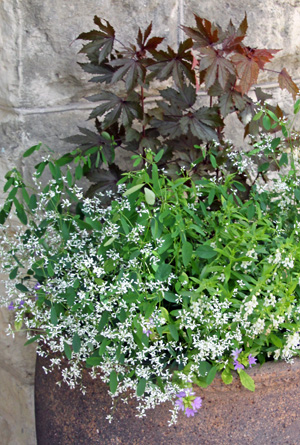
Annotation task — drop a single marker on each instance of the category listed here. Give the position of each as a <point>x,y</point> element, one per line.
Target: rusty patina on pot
<point>230,414</point>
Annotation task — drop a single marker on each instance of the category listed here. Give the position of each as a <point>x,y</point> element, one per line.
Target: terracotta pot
<point>230,414</point>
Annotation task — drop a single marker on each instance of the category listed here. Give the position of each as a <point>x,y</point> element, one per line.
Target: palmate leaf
<point>200,125</point>
<point>205,34</point>
<point>247,70</point>
<point>179,65</point>
<point>104,72</point>
<point>128,109</point>
<point>234,37</point>
<point>216,67</point>
<point>183,99</point>
<point>231,101</point>
<point>102,41</point>
<point>132,69</point>
<point>285,81</point>
<point>104,179</point>
<point>145,45</point>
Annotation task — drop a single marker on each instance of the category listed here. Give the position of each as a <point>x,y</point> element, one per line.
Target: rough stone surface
<point>230,414</point>
<point>17,387</point>
<point>42,91</point>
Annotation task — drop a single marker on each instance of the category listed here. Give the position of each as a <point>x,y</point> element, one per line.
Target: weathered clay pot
<point>230,414</point>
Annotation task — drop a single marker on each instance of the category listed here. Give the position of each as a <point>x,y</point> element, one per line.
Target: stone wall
<point>42,91</point>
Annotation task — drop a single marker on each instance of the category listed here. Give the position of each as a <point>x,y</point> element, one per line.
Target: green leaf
<point>110,241</point>
<point>20,211</point>
<point>275,142</point>
<point>149,196</point>
<point>53,316</point>
<point>78,172</point>
<point>246,380</point>
<point>93,361</point>
<point>187,252</point>
<point>65,231</point>
<point>102,348</point>
<point>70,295</point>
<point>275,340</point>
<point>133,189</point>
<point>239,186</point>
<point>206,252</point>
<point>169,296</point>
<point>18,325</point>
<point>297,106</point>
<point>213,161</point>
<point>283,160</point>
<point>267,122</point>
<point>50,269</point>
<point>158,156</point>
<point>204,368</point>
<point>76,343</point>
<point>22,288</point>
<point>32,340</point>
<point>263,167</point>
<point>226,376</point>
<point>163,271</point>
<point>211,375</point>
<point>68,351</point>
<point>13,273</point>
<point>103,321</point>
<point>32,204</point>
<point>173,331</point>
<point>273,115</point>
<point>141,387</point>
<point>258,115</point>
<point>297,194</point>
<point>113,381</point>
<point>31,150</point>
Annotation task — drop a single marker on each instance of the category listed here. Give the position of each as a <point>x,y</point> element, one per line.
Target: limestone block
<point>17,367</point>
<point>17,423</point>
<point>9,55</point>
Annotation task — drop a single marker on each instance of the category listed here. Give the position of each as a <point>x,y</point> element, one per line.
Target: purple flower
<point>180,404</point>
<point>235,354</point>
<point>197,403</point>
<point>22,302</point>
<point>189,412</point>
<point>11,306</point>
<point>181,394</point>
<point>252,360</point>
<point>238,365</point>
<point>37,286</point>
<point>147,332</point>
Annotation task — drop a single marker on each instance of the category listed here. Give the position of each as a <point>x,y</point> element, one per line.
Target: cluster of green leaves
<point>202,230</point>
<point>210,57</point>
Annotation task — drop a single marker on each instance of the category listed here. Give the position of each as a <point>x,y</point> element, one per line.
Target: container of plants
<point>164,300</point>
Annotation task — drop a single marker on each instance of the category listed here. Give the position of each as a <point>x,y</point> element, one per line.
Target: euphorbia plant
<point>173,281</point>
<point>214,59</point>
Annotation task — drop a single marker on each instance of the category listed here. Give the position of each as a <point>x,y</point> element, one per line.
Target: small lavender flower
<point>190,412</point>
<point>197,403</point>
<point>37,286</point>
<point>252,360</point>
<point>235,354</point>
<point>181,394</point>
<point>147,332</point>
<point>187,402</point>
<point>22,302</point>
<point>238,365</point>
<point>180,404</point>
<point>11,306</point>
